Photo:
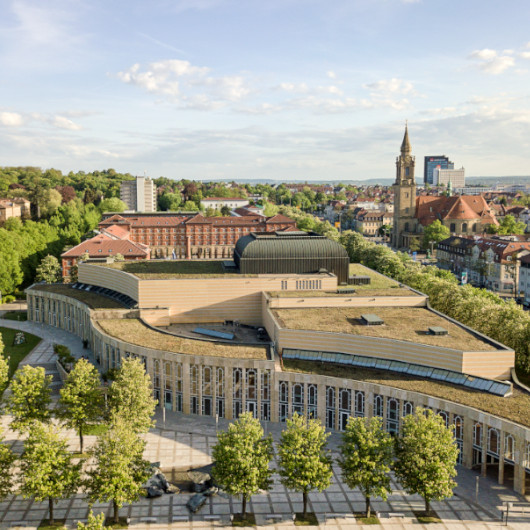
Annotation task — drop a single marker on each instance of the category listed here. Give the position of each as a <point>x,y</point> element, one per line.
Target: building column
<point>321,402</point>
<point>483,467</point>
<point>501,458</point>
<point>520,463</point>
<point>185,388</point>
<point>229,393</point>
<point>188,247</point>
<point>467,449</point>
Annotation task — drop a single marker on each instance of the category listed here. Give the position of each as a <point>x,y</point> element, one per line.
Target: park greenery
<point>242,456</point>
<point>303,461</point>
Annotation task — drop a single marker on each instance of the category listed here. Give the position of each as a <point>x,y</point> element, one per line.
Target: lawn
<point>514,408</point>
<point>360,290</point>
<point>20,316</point>
<point>378,281</point>
<point>135,332</point>
<point>17,353</point>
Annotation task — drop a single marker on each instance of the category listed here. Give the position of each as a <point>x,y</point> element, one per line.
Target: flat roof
<point>167,269</point>
<point>134,331</point>
<point>400,323</point>
<point>514,408</point>
<point>92,300</point>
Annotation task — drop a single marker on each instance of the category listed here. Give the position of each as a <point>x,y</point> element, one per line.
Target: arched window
<point>459,427</point>
<point>330,407</point>
<point>359,404</point>
<point>444,416</point>
<point>477,435</point>
<point>378,405</point>
<point>406,227</point>
<point>493,441</point>
<point>284,400</point>
<point>452,228</point>
<point>298,398</point>
<point>392,415</point>
<point>474,227</point>
<point>509,446</point>
<point>464,228</point>
<point>312,401</point>
<point>408,408</point>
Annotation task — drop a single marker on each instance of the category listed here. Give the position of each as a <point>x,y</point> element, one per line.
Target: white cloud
<point>391,86</point>
<point>331,74</point>
<point>491,62</point>
<point>64,123</point>
<point>11,119</point>
<point>186,84</point>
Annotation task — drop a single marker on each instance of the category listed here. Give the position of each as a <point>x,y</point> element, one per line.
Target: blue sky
<point>285,89</point>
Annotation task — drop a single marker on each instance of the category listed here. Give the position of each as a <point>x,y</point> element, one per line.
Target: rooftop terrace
<point>92,300</point>
<point>134,331</point>
<point>514,408</point>
<point>400,323</point>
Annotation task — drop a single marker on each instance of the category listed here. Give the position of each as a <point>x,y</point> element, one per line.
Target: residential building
<point>139,195</point>
<point>18,207</point>
<point>492,262</point>
<point>431,163</point>
<point>230,202</point>
<point>471,190</point>
<point>524,279</point>
<point>368,222</point>
<point>446,177</point>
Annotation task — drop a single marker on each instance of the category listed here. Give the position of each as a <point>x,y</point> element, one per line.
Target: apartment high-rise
<point>431,163</point>
<point>442,177</point>
<point>139,195</point>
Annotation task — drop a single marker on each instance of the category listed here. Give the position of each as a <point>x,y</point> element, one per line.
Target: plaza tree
<point>4,368</point>
<point>49,270</point>
<point>131,396</point>
<point>7,458</point>
<point>47,469</point>
<point>242,457</point>
<point>119,469</point>
<point>80,403</point>
<point>304,463</point>
<point>94,522</point>
<point>30,397</point>
<point>426,456</point>
<point>365,458</point>
<point>435,232</point>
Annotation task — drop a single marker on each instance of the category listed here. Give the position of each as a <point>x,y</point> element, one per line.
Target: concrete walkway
<point>182,442</point>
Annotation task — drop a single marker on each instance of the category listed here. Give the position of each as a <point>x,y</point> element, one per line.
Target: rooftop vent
<point>359,280</point>
<point>372,320</point>
<point>437,330</point>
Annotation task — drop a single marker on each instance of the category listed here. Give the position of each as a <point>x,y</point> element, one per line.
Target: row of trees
<point>423,457</point>
<point>48,470</point>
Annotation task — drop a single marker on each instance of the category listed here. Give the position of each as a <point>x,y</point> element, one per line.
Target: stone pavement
<point>182,442</point>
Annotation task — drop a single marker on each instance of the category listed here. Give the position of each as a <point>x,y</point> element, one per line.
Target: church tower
<point>404,195</point>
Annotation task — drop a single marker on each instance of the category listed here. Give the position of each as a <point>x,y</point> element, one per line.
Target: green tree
<point>49,270</point>
<point>242,456</point>
<point>112,205</point>
<point>131,396</point>
<point>304,464</point>
<point>119,469</point>
<point>30,397</point>
<point>119,257</point>
<point>426,455</point>
<point>190,206</point>
<point>51,201</point>
<point>508,226</point>
<point>366,456</point>
<point>47,469</point>
<point>4,368</point>
<point>170,201</point>
<point>94,522</point>
<point>270,209</point>
<point>225,211</point>
<point>436,232</point>
<point>11,274</point>
<point>80,403</point>
<point>7,459</point>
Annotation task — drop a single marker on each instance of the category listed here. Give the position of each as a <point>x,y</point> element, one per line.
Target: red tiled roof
<point>464,207</point>
<point>117,231</point>
<point>102,246</point>
<point>279,218</point>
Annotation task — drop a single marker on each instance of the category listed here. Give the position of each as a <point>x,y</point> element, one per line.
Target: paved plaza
<point>182,442</point>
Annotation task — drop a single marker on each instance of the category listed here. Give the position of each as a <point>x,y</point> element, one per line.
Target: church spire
<point>405,145</point>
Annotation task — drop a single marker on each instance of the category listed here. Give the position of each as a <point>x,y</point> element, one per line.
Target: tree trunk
<point>427,507</point>
<point>368,511</point>
<point>50,508</point>
<point>304,496</point>
<point>244,507</point>
<point>81,439</point>
<point>116,512</point>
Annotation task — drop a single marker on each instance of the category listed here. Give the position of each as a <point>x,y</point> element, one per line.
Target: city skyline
<point>291,89</point>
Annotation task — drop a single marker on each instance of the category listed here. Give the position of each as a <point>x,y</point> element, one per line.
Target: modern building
<point>218,202</point>
<point>322,359</point>
<point>454,177</point>
<point>431,163</point>
<point>524,279</point>
<point>139,195</point>
<point>291,252</point>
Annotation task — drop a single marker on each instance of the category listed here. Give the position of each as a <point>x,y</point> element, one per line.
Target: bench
<point>212,517</point>
<point>179,518</point>
<point>396,514</point>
